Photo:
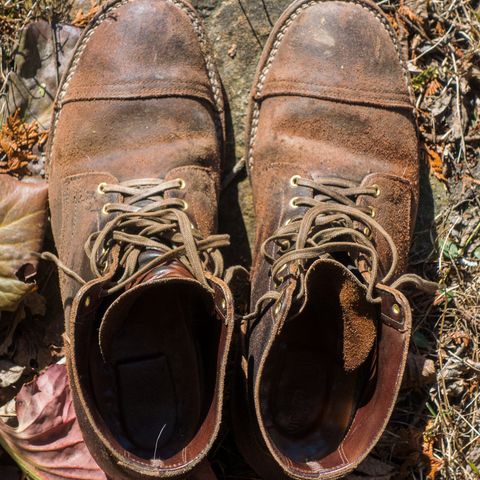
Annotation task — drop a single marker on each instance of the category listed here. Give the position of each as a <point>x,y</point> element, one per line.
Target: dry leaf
<point>22,224</point>
<point>436,164</point>
<point>82,19</point>
<point>17,140</point>
<point>48,444</point>
<point>393,21</point>
<point>407,12</point>
<point>9,373</point>
<point>433,87</point>
<point>433,463</point>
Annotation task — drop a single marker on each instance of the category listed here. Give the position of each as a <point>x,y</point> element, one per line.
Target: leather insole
<point>308,397</point>
<point>157,362</point>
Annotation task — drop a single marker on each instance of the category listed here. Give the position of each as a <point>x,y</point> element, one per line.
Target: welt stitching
<point>84,91</point>
<point>342,454</point>
<point>281,33</point>
<point>279,83</point>
<point>144,83</point>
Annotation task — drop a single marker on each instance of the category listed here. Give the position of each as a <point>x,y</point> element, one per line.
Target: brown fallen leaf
<point>407,12</point>
<point>436,164</point>
<point>393,22</point>
<point>17,141</point>
<point>433,463</point>
<point>22,224</point>
<point>48,444</point>
<point>82,19</point>
<point>433,87</point>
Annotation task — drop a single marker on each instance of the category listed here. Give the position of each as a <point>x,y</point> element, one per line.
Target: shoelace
<point>330,226</point>
<point>147,221</point>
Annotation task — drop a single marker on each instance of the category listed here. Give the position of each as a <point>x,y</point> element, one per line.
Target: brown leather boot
<point>135,162</point>
<point>331,132</point>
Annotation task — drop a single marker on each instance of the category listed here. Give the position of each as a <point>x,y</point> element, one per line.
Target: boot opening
<point>319,366</point>
<point>158,359</point>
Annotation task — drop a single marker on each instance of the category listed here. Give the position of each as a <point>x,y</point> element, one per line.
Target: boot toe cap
<point>139,48</point>
<point>343,50</point>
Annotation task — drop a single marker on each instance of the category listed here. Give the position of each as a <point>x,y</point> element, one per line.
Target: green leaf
<point>419,80</point>
<point>474,468</point>
<point>450,249</point>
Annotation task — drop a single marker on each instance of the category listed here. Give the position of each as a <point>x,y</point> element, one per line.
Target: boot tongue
<point>171,269</point>
<point>334,288</point>
<point>118,310</point>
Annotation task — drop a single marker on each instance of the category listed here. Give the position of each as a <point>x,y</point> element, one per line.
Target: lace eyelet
<point>277,309</point>
<point>87,302</point>
<point>373,212</point>
<point>105,210</point>
<point>367,232</point>
<point>100,188</point>
<point>223,304</point>
<point>294,180</point>
<point>184,205</point>
<point>182,183</point>
<point>278,282</point>
<point>293,202</point>
<point>377,190</point>
<point>396,309</point>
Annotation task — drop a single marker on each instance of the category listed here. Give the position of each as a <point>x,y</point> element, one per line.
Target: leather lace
<point>333,224</point>
<point>147,221</point>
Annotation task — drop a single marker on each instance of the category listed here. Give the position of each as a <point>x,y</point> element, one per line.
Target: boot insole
<point>159,374</point>
<point>309,397</point>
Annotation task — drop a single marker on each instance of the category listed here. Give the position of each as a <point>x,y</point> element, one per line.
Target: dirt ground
<point>435,429</point>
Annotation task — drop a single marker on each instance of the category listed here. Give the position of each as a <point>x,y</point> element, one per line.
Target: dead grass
<point>443,40</point>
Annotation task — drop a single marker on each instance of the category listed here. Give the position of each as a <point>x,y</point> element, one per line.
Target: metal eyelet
<point>277,309</point>
<point>292,202</point>
<point>367,232</point>
<point>182,183</point>
<point>223,304</point>
<point>377,190</point>
<point>100,188</point>
<point>396,309</point>
<point>373,212</point>
<point>87,302</point>
<point>184,205</point>
<point>105,210</point>
<point>294,180</point>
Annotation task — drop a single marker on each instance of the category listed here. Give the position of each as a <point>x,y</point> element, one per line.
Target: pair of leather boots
<point>135,164</point>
